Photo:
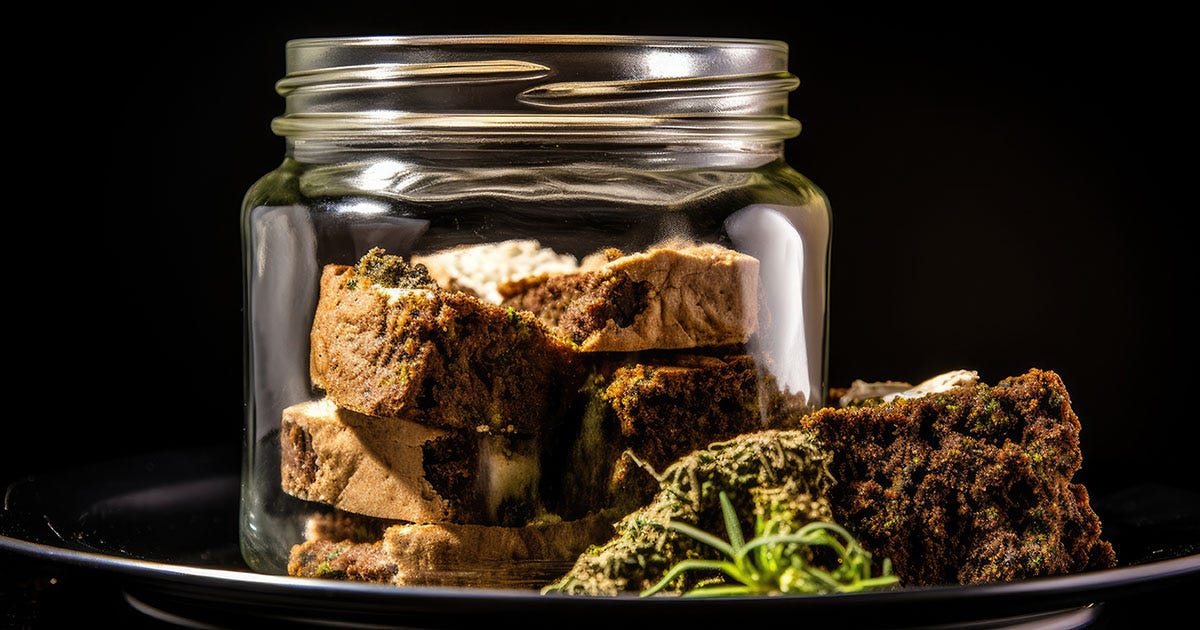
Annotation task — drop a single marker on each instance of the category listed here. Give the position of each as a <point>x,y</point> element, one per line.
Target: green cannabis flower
<point>775,563</point>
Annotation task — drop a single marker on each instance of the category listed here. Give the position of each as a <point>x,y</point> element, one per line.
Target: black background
<point>1011,188</point>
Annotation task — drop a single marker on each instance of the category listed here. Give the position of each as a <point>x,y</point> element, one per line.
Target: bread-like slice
<point>968,485</point>
<point>342,560</point>
<point>386,341</point>
<point>448,554</point>
<point>642,413</point>
<point>672,296</point>
<point>395,468</point>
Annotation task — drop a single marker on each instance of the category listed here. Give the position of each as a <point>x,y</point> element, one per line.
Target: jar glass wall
<point>498,281</point>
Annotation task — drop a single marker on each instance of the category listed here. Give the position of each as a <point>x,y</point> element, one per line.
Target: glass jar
<point>498,281</point>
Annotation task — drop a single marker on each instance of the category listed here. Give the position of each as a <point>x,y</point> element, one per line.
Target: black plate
<point>165,525</point>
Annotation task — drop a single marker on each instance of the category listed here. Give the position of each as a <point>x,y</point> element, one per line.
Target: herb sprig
<point>775,562</point>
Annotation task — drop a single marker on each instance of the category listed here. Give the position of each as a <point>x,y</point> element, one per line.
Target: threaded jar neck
<point>718,94</point>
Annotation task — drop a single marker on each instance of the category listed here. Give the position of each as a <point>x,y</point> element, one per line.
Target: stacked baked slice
<point>512,397</point>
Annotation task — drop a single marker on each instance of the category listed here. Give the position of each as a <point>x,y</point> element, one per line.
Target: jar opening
<point>640,89</point>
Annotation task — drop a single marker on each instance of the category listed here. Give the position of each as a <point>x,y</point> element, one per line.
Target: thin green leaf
<point>702,536</point>
<point>876,582</point>
<point>690,565</point>
<point>728,590</point>
<point>731,522</point>
<point>774,563</point>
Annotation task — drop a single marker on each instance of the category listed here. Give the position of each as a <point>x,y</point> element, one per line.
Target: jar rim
<point>563,39</point>
<point>513,85</point>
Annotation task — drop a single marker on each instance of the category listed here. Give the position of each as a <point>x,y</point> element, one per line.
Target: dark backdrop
<point>1010,189</point>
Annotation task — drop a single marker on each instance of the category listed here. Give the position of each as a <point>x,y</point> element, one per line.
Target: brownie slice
<point>386,341</point>
<point>970,485</point>
<point>395,468</point>
<point>641,413</point>
<point>670,297</point>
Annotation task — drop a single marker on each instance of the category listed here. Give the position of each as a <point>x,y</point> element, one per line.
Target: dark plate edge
<point>1081,587</point>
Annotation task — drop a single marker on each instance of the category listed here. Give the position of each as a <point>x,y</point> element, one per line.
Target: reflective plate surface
<point>165,525</point>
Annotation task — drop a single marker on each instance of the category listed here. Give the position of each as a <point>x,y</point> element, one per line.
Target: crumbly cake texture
<point>970,485</point>
<point>387,342</point>
<point>644,413</point>
<point>964,486</point>
<point>767,474</point>
<point>336,525</point>
<point>672,296</point>
<point>669,406</point>
<point>457,555</point>
<point>342,560</point>
<point>396,468</point>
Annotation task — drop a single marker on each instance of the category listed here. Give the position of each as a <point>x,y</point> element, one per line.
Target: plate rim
<point>1097,582</point>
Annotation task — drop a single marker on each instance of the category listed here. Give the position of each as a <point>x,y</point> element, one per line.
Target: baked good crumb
<point>457,555</point>
<point>397,468</point>
<point>641,413</point>
<point>672,296</point>
<point>970,485</point>
<point>396,345</point>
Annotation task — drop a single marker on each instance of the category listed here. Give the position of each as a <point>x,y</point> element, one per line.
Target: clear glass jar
<point>492,268</point>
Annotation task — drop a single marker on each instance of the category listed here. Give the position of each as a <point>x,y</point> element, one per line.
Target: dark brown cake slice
<point>386,341</point>
<point>673,296</point>
<point>970,485</point>
<point>645,411</point>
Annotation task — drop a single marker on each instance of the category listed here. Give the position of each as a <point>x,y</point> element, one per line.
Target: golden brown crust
<point>394,468</point>
<point>342,560</point>
<point>670,297</point>
<point>967,486</point>
<point>493,557</point>
<point>448,554</point>
<point>447,358</point>
<point>337,525</point>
